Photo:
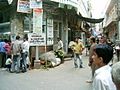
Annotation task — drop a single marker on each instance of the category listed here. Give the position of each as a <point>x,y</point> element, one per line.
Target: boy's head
<point>76,39</point>
<point>102,54</point>
<point>58,38</point>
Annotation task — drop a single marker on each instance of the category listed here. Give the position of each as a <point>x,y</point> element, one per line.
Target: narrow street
<point>35,27</point>
<point>62,77</point>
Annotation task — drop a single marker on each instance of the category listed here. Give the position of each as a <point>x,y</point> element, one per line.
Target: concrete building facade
<point>60,18</point>
<point>112,20</point>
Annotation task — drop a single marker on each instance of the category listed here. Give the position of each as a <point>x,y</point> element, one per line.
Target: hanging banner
<point>35,4</point>
<point>49,31</point>
<point>37,20</point>
<point>23,6</point>
<point>36,39</point>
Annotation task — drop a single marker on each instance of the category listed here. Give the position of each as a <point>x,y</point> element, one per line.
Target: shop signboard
<point>37,20</point>
<point>35,3</point>
<point>36,39</point>
<point>39,38</point>
<point>23,6</point>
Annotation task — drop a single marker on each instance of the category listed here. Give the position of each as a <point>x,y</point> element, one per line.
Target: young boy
<point>102,78</point>
<point>8,63</point>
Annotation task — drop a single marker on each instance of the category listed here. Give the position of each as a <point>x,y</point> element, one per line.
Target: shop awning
<point>90,20</point>
<point>73,12</point>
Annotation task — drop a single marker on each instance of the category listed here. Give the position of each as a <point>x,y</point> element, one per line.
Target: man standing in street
<point>16,52</point>
<point>77,49</point>
<point>24,54</point>
<point>2,53</point>
<point>60,44</point>
<point>103,54</point>
<point>91,64</point>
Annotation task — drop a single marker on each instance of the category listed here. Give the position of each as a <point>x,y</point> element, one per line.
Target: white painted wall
<point>83,8</point>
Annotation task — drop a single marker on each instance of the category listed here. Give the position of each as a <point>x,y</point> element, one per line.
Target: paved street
<point>63,77</point>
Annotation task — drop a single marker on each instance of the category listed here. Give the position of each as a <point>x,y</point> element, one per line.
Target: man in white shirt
<point>24,54</point>
<point>102,77</point>
<point>60,44</point>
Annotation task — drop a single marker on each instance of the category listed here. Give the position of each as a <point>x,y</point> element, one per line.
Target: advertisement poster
<point>35,3</point>
<point>37,20</point>
<point>23,6</point>
<point>36,39</point>
<point>49,32</point>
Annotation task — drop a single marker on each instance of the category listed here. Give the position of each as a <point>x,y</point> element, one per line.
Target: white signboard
<point>35,4</point>
<point>37,20</point>
<point>49,32</point>
<point>36,39</point>
<point>50,36</point>
<point>23,6</point>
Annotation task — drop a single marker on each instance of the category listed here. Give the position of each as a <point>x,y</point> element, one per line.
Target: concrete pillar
<point>17,26</point>
<point>65,35</point>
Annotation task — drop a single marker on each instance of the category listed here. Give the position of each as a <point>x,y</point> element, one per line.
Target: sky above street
<point>99,7</point>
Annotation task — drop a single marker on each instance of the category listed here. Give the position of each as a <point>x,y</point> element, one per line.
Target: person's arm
<point>82,46</point>
<point>91,54</point>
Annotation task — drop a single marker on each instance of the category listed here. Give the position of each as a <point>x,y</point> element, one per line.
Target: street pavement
<point>62,77</point>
